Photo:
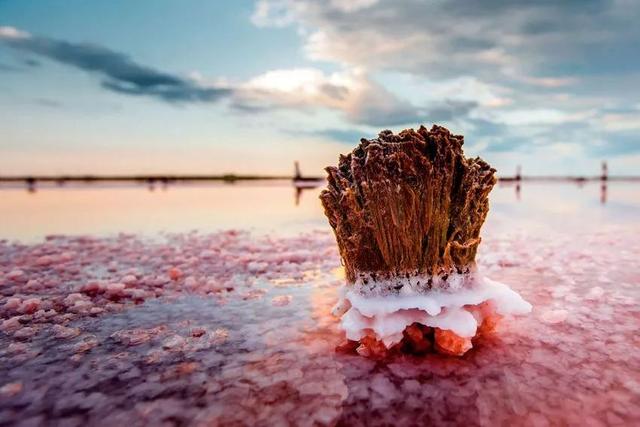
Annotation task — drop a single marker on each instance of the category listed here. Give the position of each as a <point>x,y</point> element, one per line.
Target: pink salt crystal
<point>44,260</point>
<point>129,279</point>
<point>132,336</point>
<point>198,332</point>
<point>213,285</point>
<point>17,347</point>
<point>256,266</point>
<point>25,333</point>
<point>137,294</point>
<point>91,288</point>
<point>175,273</point>
<point>175,342</point>
<point>10,324</point>
<point>17,276</point>
<point>219,336</point>
<point>11,389</point>
<point>190,282</point>
<point>96,310</point>
<point>553,316</point>
<point>86,344</point>
<point>67,316</point>
<point>63,332</point>
<point>253,294</point>
<point>186,368</point>
<point>81,307</point>
<point>71,299</point>
<point>281,300</point>
<point>595,293</point>
<point>114,307</point>
<point>115,290</point>
<point>32,284</point>
<point>12,303</point>
<point>154,357</point>
<point>67,256</point>
<point>207,254</point>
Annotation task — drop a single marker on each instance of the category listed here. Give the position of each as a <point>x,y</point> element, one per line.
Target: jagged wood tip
<point>408,204</point>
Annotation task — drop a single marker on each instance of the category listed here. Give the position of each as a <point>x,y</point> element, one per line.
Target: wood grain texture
<point>408,204</point>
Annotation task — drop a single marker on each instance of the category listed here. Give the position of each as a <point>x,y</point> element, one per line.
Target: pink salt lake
<point>209,305</point>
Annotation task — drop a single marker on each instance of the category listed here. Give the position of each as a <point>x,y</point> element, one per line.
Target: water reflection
<point>603,192</point>
<point>99,209</point>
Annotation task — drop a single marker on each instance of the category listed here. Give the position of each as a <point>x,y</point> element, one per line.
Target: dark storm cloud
<point>119,72</point>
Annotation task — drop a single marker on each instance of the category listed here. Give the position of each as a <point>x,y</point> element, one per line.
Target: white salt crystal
<point>387,316</point>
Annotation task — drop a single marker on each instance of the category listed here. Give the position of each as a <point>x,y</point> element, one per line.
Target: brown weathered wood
<point>408,204</point>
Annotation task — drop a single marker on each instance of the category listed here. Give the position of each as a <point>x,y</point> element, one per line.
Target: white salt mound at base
<point>388,316</point>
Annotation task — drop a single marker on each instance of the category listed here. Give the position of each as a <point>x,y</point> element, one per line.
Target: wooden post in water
<point>605,172</point>
<point>518,179</point>
<point>297,174</point>
<point>603,179</point>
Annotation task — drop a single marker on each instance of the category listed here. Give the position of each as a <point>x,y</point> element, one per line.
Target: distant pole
<point>518,173</point>
<point>296,166</point>
<point>605,172</point>
<point>31,184</point>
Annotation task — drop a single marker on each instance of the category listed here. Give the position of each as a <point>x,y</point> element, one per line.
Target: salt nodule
<point>406,211</point>
<point>388,316</point>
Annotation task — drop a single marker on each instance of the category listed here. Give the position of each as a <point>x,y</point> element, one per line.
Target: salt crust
<point>387,316</point>
<point>369,284</point>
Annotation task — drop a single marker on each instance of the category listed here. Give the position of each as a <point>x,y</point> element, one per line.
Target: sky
<point>204,86</point>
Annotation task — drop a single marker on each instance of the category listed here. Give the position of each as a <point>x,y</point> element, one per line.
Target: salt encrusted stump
<point>408,205</point>
<point>407,210</point>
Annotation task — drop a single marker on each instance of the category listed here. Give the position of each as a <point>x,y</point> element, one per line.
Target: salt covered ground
<point>234,328</point>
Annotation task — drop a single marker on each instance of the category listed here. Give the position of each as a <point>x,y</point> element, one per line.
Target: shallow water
<point>217,327</point>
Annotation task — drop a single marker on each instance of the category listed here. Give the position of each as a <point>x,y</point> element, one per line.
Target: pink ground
<point>232,328</point>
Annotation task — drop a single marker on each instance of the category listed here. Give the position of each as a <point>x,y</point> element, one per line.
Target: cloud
<point>119,73</point>
<point>513,76</point>
<point>360,99</point>
<point>622,120</point>
<point>517,40</point>
<point>522,62</point>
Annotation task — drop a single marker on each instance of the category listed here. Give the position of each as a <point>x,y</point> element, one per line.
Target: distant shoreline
<point>140,178</point>
<point>162,179</point>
